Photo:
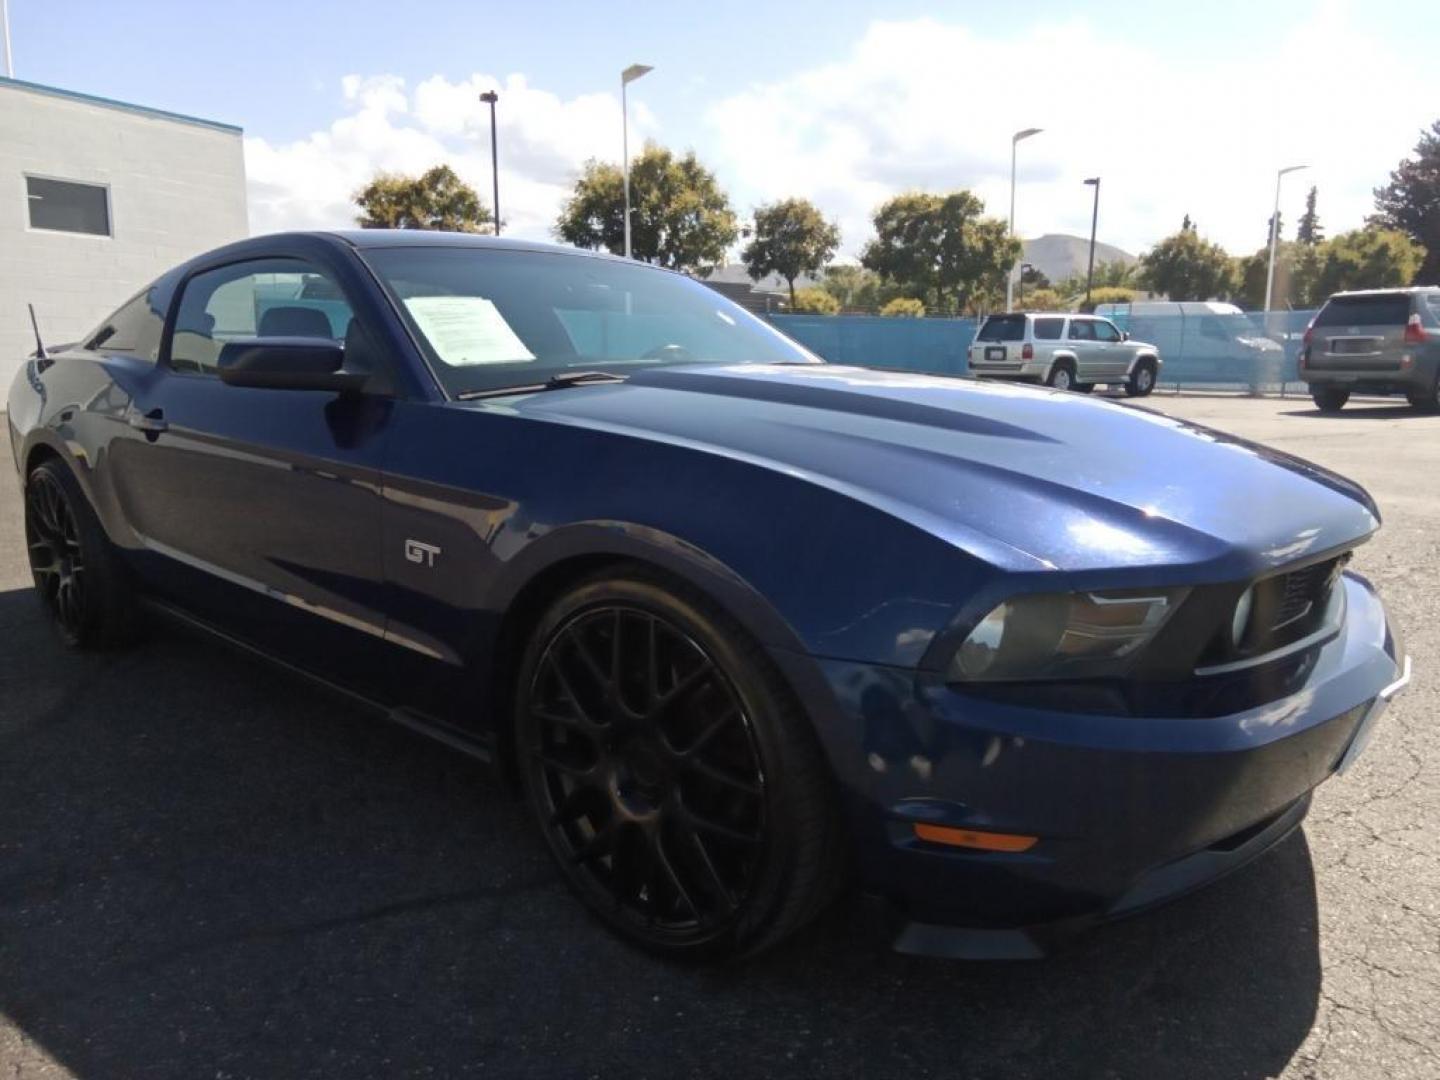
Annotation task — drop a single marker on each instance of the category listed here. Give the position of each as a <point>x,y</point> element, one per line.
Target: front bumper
<point>1129,811</point>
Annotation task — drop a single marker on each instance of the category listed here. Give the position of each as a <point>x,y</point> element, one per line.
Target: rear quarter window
<point>1049,329</point>
<point>1382,309</point>
<point>1002,328</point>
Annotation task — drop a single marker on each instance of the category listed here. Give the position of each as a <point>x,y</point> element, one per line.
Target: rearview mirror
<point>288,363</point>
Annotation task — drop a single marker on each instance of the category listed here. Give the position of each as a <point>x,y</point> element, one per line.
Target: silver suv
<point>1068,352</point>
<point>1380,341</point>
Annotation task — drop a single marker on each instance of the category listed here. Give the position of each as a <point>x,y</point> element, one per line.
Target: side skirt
<point>478,747</point>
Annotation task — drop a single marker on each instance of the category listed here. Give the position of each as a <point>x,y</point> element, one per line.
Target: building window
<point>65,206</point>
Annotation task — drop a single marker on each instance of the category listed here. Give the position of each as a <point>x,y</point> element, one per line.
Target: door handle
<point>152,422</point>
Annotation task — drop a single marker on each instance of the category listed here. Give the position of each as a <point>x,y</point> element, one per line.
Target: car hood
<point>1027,478</point>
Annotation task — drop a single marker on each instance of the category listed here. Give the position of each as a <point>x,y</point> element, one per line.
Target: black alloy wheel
<point>57,560</point>
<point>78,577</point>
<point>644,751</point>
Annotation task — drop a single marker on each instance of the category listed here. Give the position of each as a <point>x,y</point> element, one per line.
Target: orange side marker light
<point>969,838</point>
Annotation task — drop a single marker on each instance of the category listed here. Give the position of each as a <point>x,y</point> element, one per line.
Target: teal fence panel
<point>1200,350</point>
<point>936,346</point>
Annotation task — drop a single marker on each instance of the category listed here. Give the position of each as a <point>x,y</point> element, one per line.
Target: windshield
<point>490,319</point>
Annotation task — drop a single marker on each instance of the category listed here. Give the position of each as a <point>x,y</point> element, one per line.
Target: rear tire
<point>1329,399</point>
<point>1426,400</point>
<point>1142,380</point>
<point>78,576</point>
<point>1084,388</point>
<point>1062,376</point>
<point>678,785</point>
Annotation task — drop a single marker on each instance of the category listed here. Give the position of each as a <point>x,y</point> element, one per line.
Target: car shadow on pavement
<point>1362,412</point>
<point>208,868</point>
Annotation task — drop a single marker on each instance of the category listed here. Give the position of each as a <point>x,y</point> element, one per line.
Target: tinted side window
<point>1082,330</point>
<point>1048,329</point>
<point>1105,331</point>
<point>133,330</point>
<point>263,298</point>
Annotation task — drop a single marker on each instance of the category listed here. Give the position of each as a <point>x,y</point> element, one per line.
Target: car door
<point>1080,338</point>
<point>1113,355</point>
<point>259,509</point>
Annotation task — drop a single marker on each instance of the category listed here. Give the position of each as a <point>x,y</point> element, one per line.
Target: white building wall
<point>177,188</point>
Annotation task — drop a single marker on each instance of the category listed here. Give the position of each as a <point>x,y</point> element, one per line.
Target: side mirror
<point>1124,335</point>
<point>288,363</point>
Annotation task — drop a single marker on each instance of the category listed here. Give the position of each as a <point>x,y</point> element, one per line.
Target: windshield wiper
<point>555,382</point>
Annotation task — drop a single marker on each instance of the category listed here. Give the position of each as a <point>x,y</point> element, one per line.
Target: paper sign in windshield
<point>467,330</point>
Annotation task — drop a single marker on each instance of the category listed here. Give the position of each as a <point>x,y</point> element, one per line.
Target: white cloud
<point>928,104</point>
<point>544,141</point>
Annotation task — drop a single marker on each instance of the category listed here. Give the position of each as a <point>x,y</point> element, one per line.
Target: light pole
<point>1094,220</point>
<point>1010,275</point>
<point>490,97</point>
<point>5,30</point>
<point>629,75</point>
<point>1274,236</point>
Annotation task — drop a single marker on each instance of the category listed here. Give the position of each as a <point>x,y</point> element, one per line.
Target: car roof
<point>1409,290</point>
<point>365,239</point>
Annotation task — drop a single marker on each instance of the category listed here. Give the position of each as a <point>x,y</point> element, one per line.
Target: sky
<point>1180,108</point>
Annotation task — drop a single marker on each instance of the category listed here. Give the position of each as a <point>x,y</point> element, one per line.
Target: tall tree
<point>1369,258</point>
<point>437,199</point>
<point>1309,230</point>
<point>1410,202</point>
<point>857,288</point>
<point>680,218</point>
<point>792,238</point>
<point>1185,267</point>
<point>940,246</point>
<point>1276,222</point>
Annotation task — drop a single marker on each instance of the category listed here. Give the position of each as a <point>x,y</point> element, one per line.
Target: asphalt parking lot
<point>208,869</point>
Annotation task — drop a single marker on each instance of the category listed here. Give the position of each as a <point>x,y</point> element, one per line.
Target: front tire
<point>1142,380</point>
<point>78,577</point>
<point>679,788</point>
<point>1329,399</point>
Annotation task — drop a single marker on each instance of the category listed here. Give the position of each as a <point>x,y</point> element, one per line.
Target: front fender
<point>643,543</point>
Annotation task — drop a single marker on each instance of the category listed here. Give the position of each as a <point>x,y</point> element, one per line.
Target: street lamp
<point>1094,219</point>
<point>1014,141</point>
<point>1275,235</point>
<point>490,97</point>
<point>629,75</point>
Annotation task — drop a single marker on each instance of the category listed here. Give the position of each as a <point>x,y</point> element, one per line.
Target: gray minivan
<point>1378,341</point>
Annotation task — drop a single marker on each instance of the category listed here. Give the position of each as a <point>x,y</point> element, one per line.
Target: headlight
<point>1062,635</point>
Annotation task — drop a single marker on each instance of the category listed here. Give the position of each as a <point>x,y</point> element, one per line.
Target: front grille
<point>1291,606</point>
<point>1298,593</point>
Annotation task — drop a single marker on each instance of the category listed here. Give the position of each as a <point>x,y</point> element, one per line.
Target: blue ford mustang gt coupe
<point>743,626</point>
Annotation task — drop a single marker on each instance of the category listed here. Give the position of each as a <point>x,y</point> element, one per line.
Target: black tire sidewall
<point>736,659</point>
<point>109,618</point>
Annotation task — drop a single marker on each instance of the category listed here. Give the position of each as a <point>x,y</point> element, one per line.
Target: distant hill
<point>1057,254</point>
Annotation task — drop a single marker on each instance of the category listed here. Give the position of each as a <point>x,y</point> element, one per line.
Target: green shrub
<point>903,307</point>
<point>815,302</point>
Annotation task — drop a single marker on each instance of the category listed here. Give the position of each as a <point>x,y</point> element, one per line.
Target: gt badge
<point>418,551</point>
